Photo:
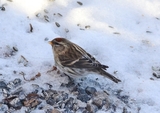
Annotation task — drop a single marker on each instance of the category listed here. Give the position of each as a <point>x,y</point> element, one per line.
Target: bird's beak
<point>50,42</point>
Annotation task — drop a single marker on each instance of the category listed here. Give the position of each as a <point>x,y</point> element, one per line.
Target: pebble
<point>84,97</point>
<point>64,96</point>
<point>38,15</point>
<point>124,110</point>
<point>69,103</point>
<point>101,94</point>
<point>80,90</point>
<point>99,102</point>
<point>50,101</point>
<point>18,91</point>
<point>91,108</point>
<point>124,98</point>
<point>85,100</point>
<point>3,108</point>
<point>81,104</point>
<point>5,92</point>
<point>157,75</point>
<point>61,105</point>
<point>55,111</point>
<point>13,102</point>
<point>3,8</point>
<point>3,85</point>
<point>90,90</point>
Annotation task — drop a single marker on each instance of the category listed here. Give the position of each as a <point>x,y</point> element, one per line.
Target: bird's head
<point>59,44</point>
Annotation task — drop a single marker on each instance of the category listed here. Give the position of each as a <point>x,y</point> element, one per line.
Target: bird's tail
<point>111,77</point>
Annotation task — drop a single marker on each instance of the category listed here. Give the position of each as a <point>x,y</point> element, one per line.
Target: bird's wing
<point>80,60</point>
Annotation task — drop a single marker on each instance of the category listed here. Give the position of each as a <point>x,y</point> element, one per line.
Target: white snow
<point>123,34</point>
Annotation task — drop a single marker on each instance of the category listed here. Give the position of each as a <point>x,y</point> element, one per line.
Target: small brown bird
<point>74,61</point>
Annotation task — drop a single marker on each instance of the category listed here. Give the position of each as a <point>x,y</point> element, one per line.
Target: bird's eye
<point>57,44</point>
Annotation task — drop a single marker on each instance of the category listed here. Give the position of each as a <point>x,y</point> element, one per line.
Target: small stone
<point>69,103</point>
<point>17,91</point>
<point>101,94</point>
<point>84,97</point>
<point>156,75</point>
<point>61,105</point>
<point>46,39</point>
<point>64,96</point>
<point>3,8</point>
<point>31,102</point>
<point>75,107</point>
<point>3,108</point>
<point>66,30</point>
<point>5,92</point>
<point>99,102</point>
<point>17,82</point>
<point>81,104</point>
<point>85,111</point>
<point>81,91</point>
<point>113,107</point>
<point>125,110</point>
<point>92,108</point>
<point>55,111</point>
<point>50,101</point>
<point>13,101</point>
<point>3,85</point>
<point>138,109</point>
<point>124,98</point>
<point>90,90</point>
<point>49,93</point>
<point>107,105</point>
<point>38,15</point>
<point>67,111</point>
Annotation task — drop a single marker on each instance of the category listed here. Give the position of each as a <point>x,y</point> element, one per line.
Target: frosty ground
<point>121,34</point>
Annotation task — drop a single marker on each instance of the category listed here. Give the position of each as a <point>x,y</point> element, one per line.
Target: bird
<point>75,62</point>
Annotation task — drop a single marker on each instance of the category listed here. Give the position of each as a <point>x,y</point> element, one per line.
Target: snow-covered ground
<point>123,34</point>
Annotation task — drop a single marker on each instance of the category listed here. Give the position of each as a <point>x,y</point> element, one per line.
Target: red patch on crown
<point>59,39</point>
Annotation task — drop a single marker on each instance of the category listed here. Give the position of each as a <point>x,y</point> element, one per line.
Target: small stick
<point>31,28</point>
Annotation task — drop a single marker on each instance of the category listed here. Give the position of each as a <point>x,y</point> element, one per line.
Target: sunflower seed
<point>57,24</point>
<point>46,11</point>
<point>80,3</point>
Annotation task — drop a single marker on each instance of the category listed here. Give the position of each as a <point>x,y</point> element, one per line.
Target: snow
<point>123,35</point>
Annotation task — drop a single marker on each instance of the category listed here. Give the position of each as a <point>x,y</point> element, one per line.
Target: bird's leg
<point>71,81</point>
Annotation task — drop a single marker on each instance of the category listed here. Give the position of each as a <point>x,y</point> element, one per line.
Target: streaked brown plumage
<point>74,61</point>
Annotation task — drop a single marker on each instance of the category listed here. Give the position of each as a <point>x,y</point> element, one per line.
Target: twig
<point>31,28</point>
